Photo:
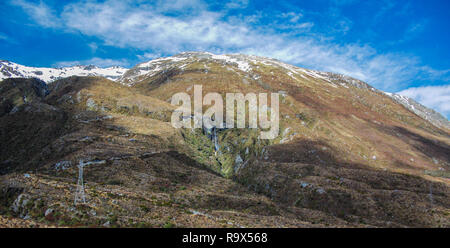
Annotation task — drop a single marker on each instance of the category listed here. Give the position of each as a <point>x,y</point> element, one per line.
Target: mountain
<point>347,155</point>
<point>116,73</point>
<point>245,63</point>
<point>422,111</point>
<point>12,70</point>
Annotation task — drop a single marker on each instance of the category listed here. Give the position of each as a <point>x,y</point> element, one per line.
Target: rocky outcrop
<point>428,114</point>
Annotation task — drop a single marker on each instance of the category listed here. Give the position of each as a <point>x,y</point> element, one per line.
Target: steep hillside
<point>361,123</point>
<point>347,154</point>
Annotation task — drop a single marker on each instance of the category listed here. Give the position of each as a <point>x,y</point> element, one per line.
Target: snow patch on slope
<point>12,70</point>
<point>428,114</point>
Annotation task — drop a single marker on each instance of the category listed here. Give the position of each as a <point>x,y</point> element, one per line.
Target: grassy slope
<point>153,175</point>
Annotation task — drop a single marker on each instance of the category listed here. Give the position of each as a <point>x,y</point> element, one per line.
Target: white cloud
<point>237,4</point>
<point>93,46</point>
<point>292,16</point>
<point>151,30</point>
<point>435,97</point>
<point>100,62</point>
<point>413,31</point>
<point>7,39</point>
<point>149,56</point>
<point>40,13</point>
<point>387,5</point>
<point>177,5</point>
<point>121,25</point>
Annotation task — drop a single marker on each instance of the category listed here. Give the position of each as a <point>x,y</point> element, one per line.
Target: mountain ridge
<point>126,76</point>
<point>10,69</point>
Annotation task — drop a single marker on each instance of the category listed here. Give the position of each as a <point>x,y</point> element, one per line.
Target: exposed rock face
<point>19,205</point>
<point>347,155</point>
<point>422,111</point>
<point>16,92</point>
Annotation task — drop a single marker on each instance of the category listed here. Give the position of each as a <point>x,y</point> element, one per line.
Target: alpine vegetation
<point>248,141</point>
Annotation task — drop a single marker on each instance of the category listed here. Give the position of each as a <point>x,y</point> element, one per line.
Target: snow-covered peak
<point>12,70</point>
<point>243,63</point>
<point>240,63</point>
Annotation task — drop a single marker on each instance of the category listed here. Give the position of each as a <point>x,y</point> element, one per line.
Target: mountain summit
<point>244,63</point>
<point>347,154</point>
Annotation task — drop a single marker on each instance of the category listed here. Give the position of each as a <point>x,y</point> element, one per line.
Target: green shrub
<point>169,225</point>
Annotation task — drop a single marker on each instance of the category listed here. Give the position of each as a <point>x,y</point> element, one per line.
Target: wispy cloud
<point>292,16</point>
<point>387,5</point>
<point>237,4</point>
<point>4,37</point>
<point>7,39</point>
<point>41,13</point>
<point>93,46</point>
<point>149,56</point>
<point>154,29</point>
<point>100,62</point>
<point>435,97</point>
<point>414,29</point>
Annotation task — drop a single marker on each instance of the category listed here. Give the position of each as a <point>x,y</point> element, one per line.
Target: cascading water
<point>212,135</point>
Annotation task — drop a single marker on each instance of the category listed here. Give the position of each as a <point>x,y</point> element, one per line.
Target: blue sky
<point>396,46</point>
